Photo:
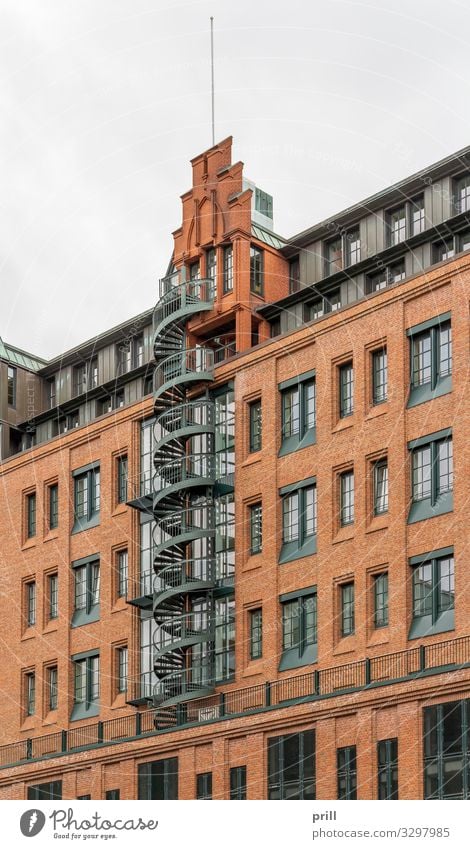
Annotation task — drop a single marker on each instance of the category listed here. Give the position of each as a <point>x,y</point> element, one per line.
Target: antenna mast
<point>212,80</point>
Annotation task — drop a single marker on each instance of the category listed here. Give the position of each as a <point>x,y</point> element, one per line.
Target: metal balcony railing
<point>195,625</point>
<point>190,364</point>
<point>177,298</point>
<point>191,414</point>
<point>195,572</point>
<point>188,468</point>
<point>185,683</point>
<point>140,586</point>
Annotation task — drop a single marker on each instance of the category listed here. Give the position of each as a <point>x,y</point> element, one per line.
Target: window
<point>53,492</point>
<point>11,385</point>
<point>432,476</point>
<point>299,520</point>
<point>224,638</point>
<point>194,271</point>
<point>377,281</point>
<point>68,422</point>
<point>346,498</point>
<point>299,628</point>
<point>238,782</point>
<point>146,456</point>
<point>84,797</point>
<point>333,256</point>
<point>122,668</point>
<point>464,241</point>
<point>204,785</point>
<point>275,328</point>
<point>158,779</point>
<point>51,392</point>
<point>387,769</point>
<point>256,633</point>
<point>255,425</point>
<point>30,693</point>
<point>228,269</point>
<point>431,359</point>
<point>462,194</point>
<point>31,515</point>
<point>48,790</point>
<point>347,773</point>
<point>379,376</point>
<point>87,591</point>
<point>444,249</point>
<point>256,270</point>
<point>211,266</point>
<point>52,688</point>
<point>256,528</point>
<point>124,357</point>
<point>122,559</point>
<point>87,498</point>
<point>298,409</point>
<point>418,220</point>
<point>86,685</point>
<point>93,378</point>
<point>291,766</point>
<point>321,306</point>
<point>353,241</point>
<point>30,603</point>
<point>380,600</point>
<point>433,593</point>
<point>347,609</point>
<point>396,222</point>
<point>113,795</point>
<point>294,275</point>
<point>380,474</point>
<point>122,479</point>
<point>447,750</point>
<point>346,390</point>
<point>79,379</point>
<point>53,596</point>
<point>138,351</point>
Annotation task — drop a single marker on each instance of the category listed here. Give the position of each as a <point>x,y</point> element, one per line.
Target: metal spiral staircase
<point>184,458</point>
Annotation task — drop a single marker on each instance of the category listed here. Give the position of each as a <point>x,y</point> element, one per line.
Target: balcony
<point>190,471</point>
<point>191,365</point>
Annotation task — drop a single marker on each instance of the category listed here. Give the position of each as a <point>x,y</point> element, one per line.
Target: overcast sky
<point>104,102</point>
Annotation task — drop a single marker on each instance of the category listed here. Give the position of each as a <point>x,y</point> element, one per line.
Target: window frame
<point>303,543</point>
<point>12,381</point>
<point>305,651</point>
<point>89,705</point>
<point>31,599</point>
<point>227,276</point>
<point>347,771</point>
<point>380,599</point>
<point>256,271</point>
<point>379,397</point>
<point>345,380</point>
<point>52,596</point>
<point>30,693</point>
<point>387,768</point>
<point>438,620</point>
<point>53,505</point>
<point>204,785</point>
<point>307,406</point>
<point>52,687</point>
<point>122,477</point>
<point>438,752</point>
<point>256,632</point>
<point>31,515</point>
<point>122,669</point>
<point>88,567</point>
<point>122,572</point>
<point>346,510</point>
<point>438,501</point>
<point>438,384</point>
<point>255,412</point>
<point>256,527</point>
<point>380,500</point>
<point>347,630</point>
<point>277,768</point>
<point>238,783</point>
<point>91,497</point>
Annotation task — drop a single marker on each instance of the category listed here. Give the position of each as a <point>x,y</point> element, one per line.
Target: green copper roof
<point>266,236</point>
<point>20,358</point>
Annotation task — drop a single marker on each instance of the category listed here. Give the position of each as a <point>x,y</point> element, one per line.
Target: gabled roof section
<point>20,358</point>
<point>267,236</point>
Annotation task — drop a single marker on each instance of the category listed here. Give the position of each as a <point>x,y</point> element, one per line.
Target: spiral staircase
<point>183,505</point>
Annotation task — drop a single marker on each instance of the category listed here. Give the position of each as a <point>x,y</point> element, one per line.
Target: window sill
<point>81,711</point>
<point>290,658</point>
<point>343,534</point>
<point>379,637</point>
<point>119,605</point>
<point>253,562</point>
<point>82,617</point>
<point>29,723</point>
<point>29,633</point>
<point>119,701</point>
<point>50,718</point>
<point>254,667</point>
<point>120,509</point>
<point>30,543</point>
<point>424,509</point>
<point>343,424</point>
<point>421,394</point>
<point>293,443</point>
<point>51,626</point>
<point>290,551</point>
<point>377,410</point>
<point>85,524</point>
<point>377,523</point>
<point>346,645</point>
<point>252,459</point>
<point>423,626</point>
<point>51,535</point>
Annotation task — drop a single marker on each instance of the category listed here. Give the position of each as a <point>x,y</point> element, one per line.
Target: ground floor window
<point>158,779</point>
<point>238,782</point>
<point>447,750</point>
<point>49,790</point>
<point>291,766</point>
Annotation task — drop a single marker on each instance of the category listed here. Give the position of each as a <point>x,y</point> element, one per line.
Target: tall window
<point>387,769</point>
<point>158,779</point>
<point>381,600</point>
<point>334,256</point>
<point>224,638</point>
<point>299,519</point>
<point>347,772</point>
<point>122,572</point>
<point>353,241</point>
<point>397,225</point>
<point>462,194</point>
<point>294,275</point>
<point>122,667</point>
<point>211,266</point>
<point>299,628</point>
<point>432,476</point>
<point>87,495</point>
<point>122,479</point>
<point>431,360</point>
<point>291,766</point>
<point>379,376</point>
<point>255,425</point>
<point>228,269</point>
<point>52,688</point>
<point>256,270</point>
<point>51,392</point>
<point>298,412</point>
<point>30,694</point>
<point>11,386</point>
<point>346,390</point>
<point>204,785</point>
<point>321,306</point>
<point>418,220</point>
<point>124,357</point>
<point>31,515</point>
<point>347,609</point>
<point>87,591</point>
<point>53,506</point>
<point>30,590</point>
<point>138,351</point>
<point>238,782</point>
<point>346,498</point>
<point>256,633</point>
<point>79,379</point>
<point>53,596</point>
<point>146,456</point>
<point>256,528</point>
<point>433,593</point>
<point>380,487</point>
<point>447,750</point>
<point>87,680</point>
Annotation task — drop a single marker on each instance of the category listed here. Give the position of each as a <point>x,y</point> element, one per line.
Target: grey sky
<point>104,102</point>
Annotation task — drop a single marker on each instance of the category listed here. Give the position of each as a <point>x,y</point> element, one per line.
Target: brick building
<point>231,526</point>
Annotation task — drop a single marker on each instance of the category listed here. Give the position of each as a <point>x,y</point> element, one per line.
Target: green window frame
<point>53,506</point>
<point>228,269</point>
<point>346,498</point>
<point>238,782</point>
<point>86,677</point>
<point>11,386</point>
<point>86,498</point>
<point>122,564</point>
<point>256,633</point>
<point>446,749</point>
<point>347,609</point>
<point>433,593</point>
<point>211,266</point>
<point>52,688</point>
<point>380,475</point>
<point>31,596</point>
<point>397,225</point>
<point>204,785</point>
<point>291,766</point>
<point>122,475</point>
<point>30,693</point>
<point>31,515</point>
<point>379,376</point>
<point>299,520</point>
<point>432,479</point>
<point>380,600</point>
<point>122,668</point>
<point>299,628</point>
<point>256,528</point>
<point>158,779</point>
<point>86,590</point>
<point>346,389</point>
<point>430,359</point>
<point>387,769</point>
<point>298,412</point>
<point>47,790</point>
<point>113,795</point>
<point>224,639</point>
<point>256,425</point>
<point>346,772</point>
<point>53,596</point>
<point>461,193</point>
<point>256,270</point>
